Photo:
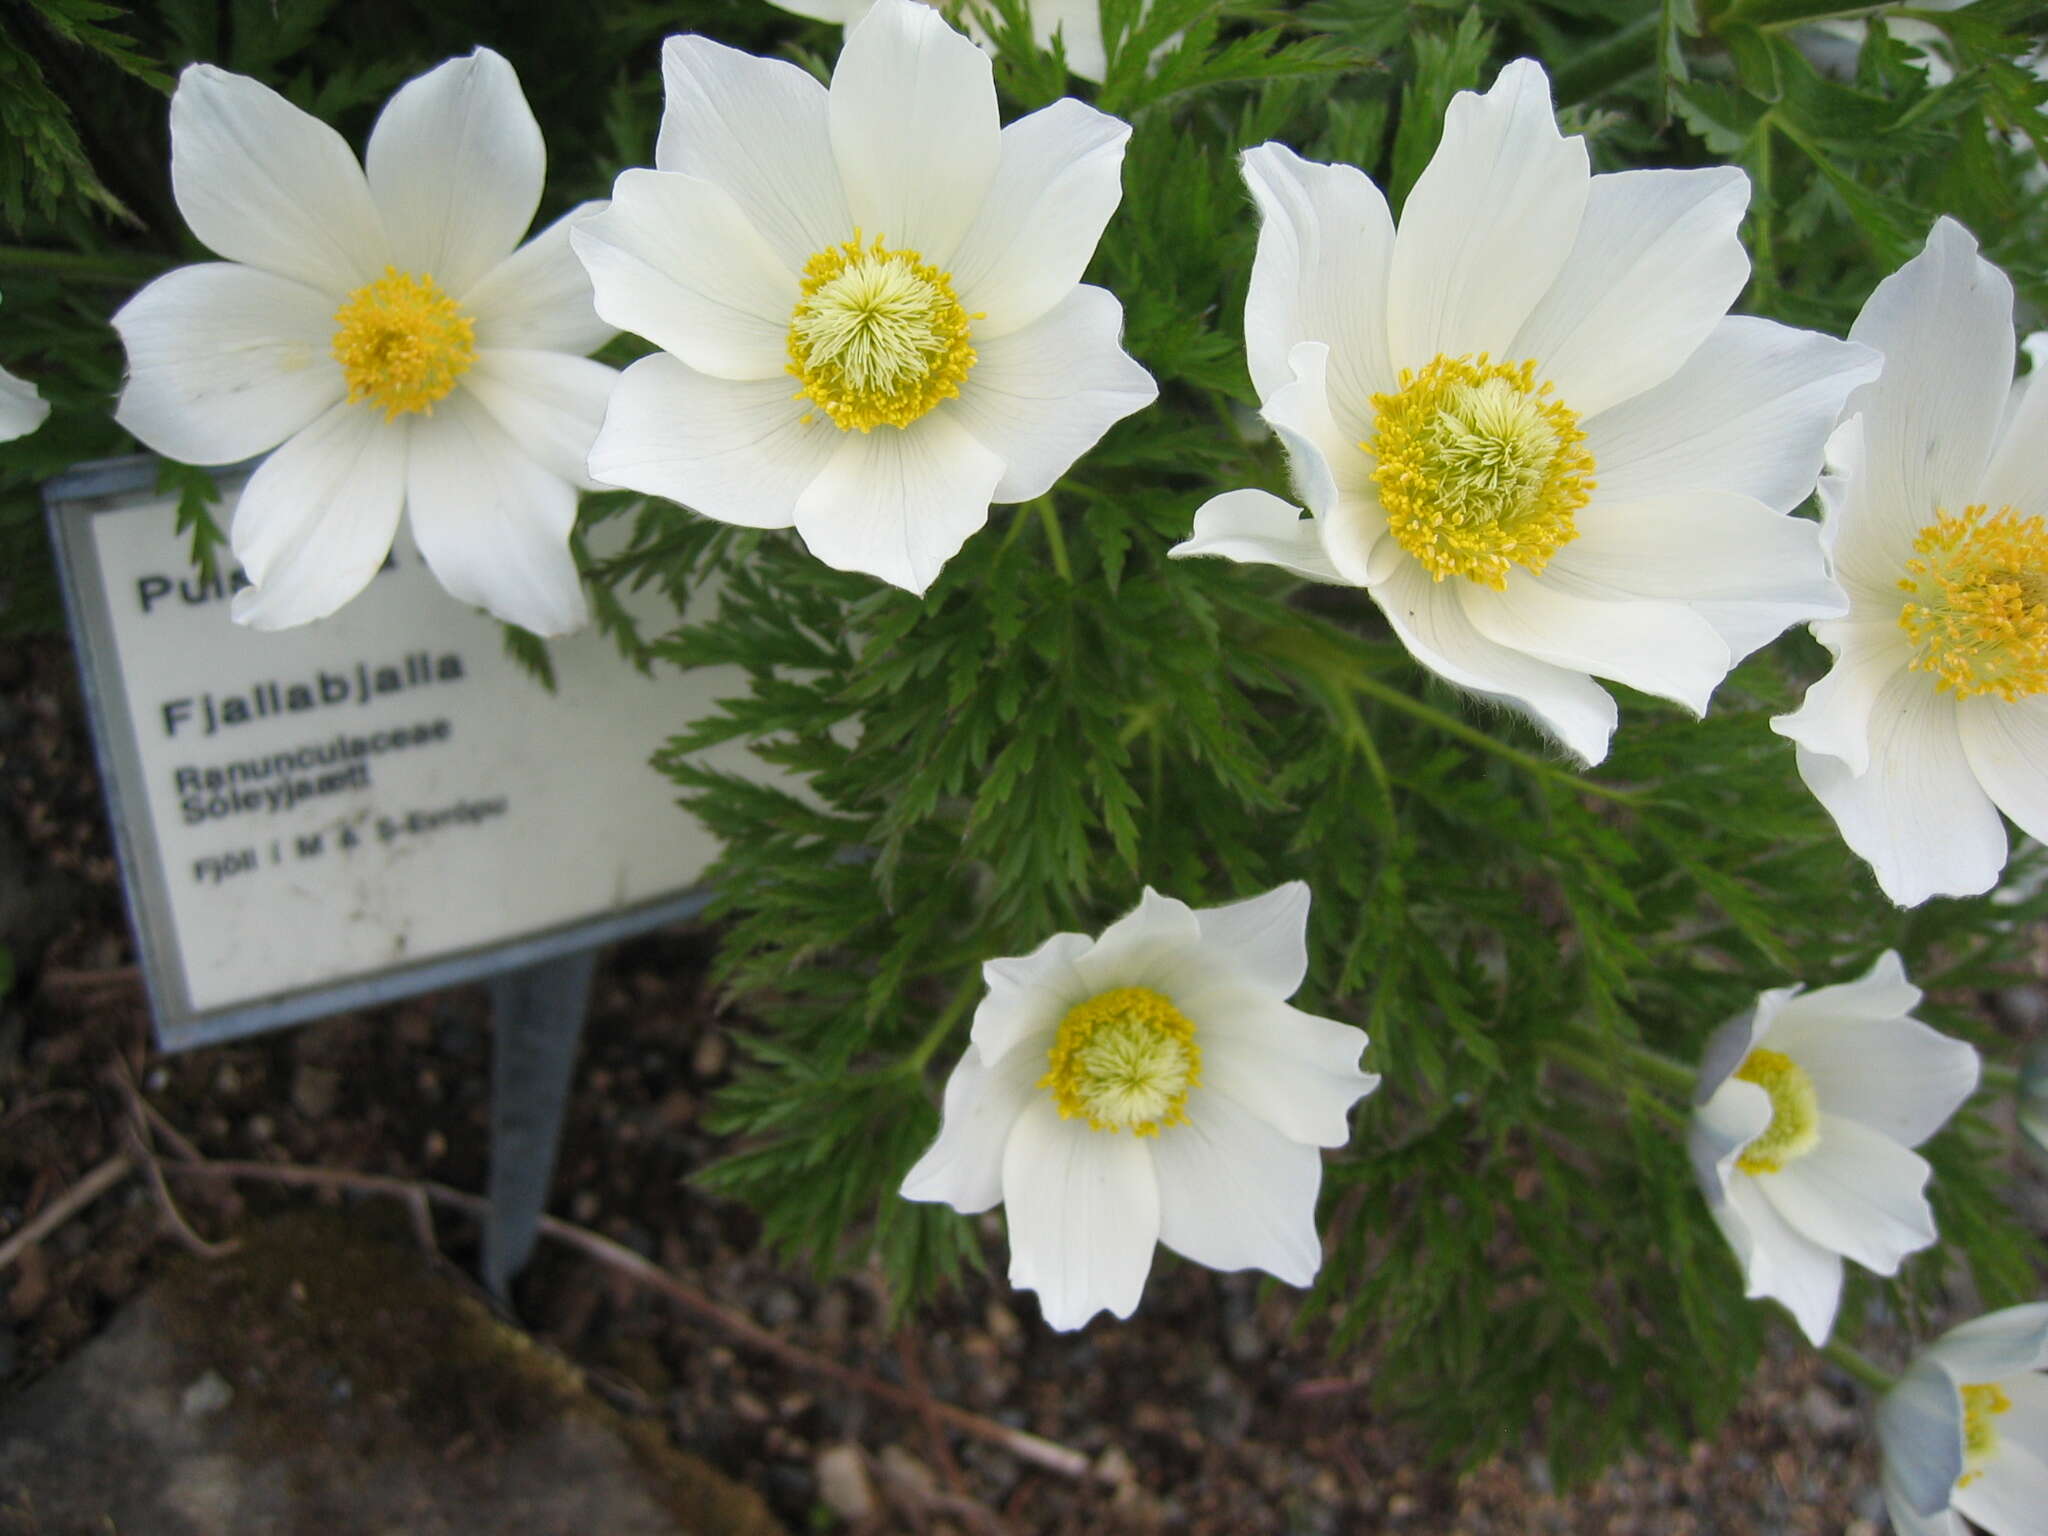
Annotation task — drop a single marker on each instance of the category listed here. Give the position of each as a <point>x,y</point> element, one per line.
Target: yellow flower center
<point>1479,471</point>
<point>1977,613</point>
<point>1794,1130</point>
<point>402,343</point>
<point>1982,1403</point>
<point>878,337</point>
<point>1124,1060</point>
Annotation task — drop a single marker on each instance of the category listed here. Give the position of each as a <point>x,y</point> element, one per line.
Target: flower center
<point>1478,470</point>
<point>402,343</point>
<point>878,336</point>
<point>1982,1403</point>
<point>1978,607</point>
<point>1794,1130</point>
<point>1125,1059</point>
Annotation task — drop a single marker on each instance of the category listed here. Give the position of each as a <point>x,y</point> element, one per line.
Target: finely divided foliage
<point>1044,715</point>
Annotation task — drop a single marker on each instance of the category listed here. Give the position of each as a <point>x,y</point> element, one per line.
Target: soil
<point>1207,1413</point>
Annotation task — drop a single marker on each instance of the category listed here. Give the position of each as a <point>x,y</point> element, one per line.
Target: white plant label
<point>380,788</point>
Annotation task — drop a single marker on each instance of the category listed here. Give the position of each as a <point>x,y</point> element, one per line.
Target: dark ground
<point>1206,1413</point>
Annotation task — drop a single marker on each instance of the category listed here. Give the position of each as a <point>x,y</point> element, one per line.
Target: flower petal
<point>1028,996</point>
<point>539,297</point>
<point>1995,1346</point>
<point>1325,241</point>
<point>1258,528</point>
<point>22,409</point>
<point>1778,1262</point>
<point>1893,1075</point>
<point>1750,412</point>
<point>2009,1493</point>
<point>1295,1071</point>
<point>1748,571</point>
<point>1920,1428</point>
<point>1431,622</point>
<point>1083,1208</point>
<point>1944,324</point>
<point>1656,264</point>
<point>1041,397</point>
<point>316,519</point>
<point>964,1167</point>
<point>1917,816</point>
<point>1489,225</point>
<point>1857,1192</point>
<point>1263,940</point>
<point>899,504</point>
<point>1732,1115</point>
<point>2018,476</point>
<point>549,404</point>
<point>675,260</point>
<point>1331,470</point>
<point>756,127</point>
<point>225,362</point>
<point>1058,178</point>
<point>1834,720</point>
<point>1661,648</point>
<point>2007,744</point>
<point>738,452</point>
<point>262,183</point>
<point>1148,946</point>
<point>1234,1193</point>
<point>914,128</point>
<point>455,164</point>
<point>491,522</point>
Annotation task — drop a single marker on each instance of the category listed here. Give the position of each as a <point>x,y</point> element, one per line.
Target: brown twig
<point>914,1378</point>
<point>145,1153</point>
<point>67,1205</point>
<point>57,979</point>
<point>1025,1446</point>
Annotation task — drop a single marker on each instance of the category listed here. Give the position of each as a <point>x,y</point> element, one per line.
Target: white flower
<point>868,298</point>
<point>1802,1119</point>
<point>1078,23</point>
<point>1149,1085</point>
<point>386,333</point>
<point>1935,715</point>
<point>1965,1431</point>
<point>1527,424</point>
<point>21,409</point>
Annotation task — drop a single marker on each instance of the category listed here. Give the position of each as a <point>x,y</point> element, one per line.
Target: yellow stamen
<point>1794,1130</point>
<point>1125,1060</point>
<point>402,343</point>
<point>1977,611</point>
<point>878,337</point>
<point>1478,470</point>
<point>1982,1402</point>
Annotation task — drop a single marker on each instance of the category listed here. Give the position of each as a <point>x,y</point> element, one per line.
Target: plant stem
<point>1859,1365</point>
<point>2004,1079</point>
<point>1591,1067</point>
<point>942,1026</point>
<point>1630,51</point>
<point>20,260</point>
<point>1048,515</point>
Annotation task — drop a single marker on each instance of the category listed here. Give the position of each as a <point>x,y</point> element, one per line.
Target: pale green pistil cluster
<point>1124,1060</point>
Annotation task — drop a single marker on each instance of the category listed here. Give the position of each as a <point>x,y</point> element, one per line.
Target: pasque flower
<point>1965,1431</point>
<point>1150,1085</point>
<point>381,332</point>
<point>868,298</point>
<point>1078,24</point>
<point>1805,1112</point>
<point>1526,424</point>
<point>21,409</point>
<point>1934,717</point>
